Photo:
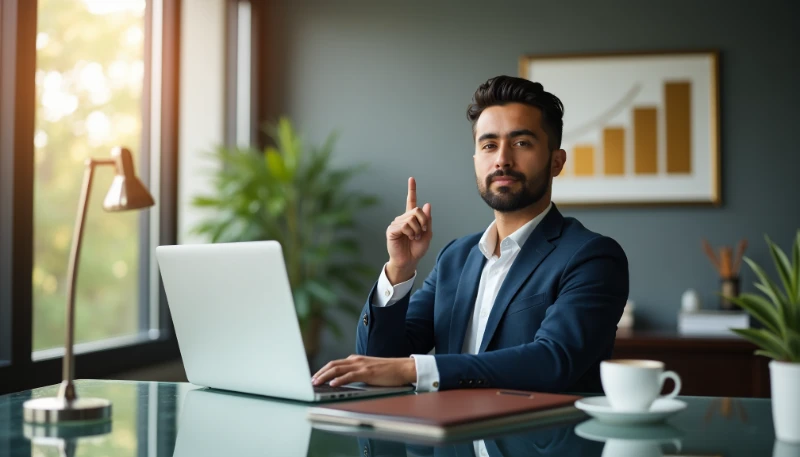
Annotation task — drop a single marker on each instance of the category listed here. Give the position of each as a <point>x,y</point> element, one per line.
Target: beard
<point>505,200</point>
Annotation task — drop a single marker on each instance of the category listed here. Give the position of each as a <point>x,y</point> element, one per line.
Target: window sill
<point>102,345</point>
<point>98,363</point>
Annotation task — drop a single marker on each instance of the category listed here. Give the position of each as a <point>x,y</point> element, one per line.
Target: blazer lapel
<point>535,249</point>
<point>464,303</point>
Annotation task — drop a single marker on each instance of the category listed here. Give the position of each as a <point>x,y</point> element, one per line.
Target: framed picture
<point>639,129</point>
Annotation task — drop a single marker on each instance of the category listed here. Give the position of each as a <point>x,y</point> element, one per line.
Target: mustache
<point>510,173</point>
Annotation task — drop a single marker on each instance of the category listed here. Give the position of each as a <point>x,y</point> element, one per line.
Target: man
<point>532,303</point>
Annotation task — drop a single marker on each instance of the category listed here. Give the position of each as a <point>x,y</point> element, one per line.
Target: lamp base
<point>52,410</point>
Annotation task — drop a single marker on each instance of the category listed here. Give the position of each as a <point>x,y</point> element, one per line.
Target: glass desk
<point>165,419</point>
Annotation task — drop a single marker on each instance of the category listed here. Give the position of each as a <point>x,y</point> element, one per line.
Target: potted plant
<point>779,312</point>
<point>293,194</point>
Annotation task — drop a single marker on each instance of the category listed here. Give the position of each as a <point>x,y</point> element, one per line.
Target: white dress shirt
<point>492,277</point>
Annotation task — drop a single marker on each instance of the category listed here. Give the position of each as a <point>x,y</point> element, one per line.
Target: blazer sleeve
<point>578,329</point>
<point>403,328</point>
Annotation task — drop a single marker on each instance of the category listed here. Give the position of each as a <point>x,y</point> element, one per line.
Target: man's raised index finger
<point>411,201</point>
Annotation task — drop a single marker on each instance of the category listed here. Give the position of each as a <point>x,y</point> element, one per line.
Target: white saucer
<point>599,408</point>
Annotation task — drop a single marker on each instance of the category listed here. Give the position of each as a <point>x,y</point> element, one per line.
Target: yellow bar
<point>614,150</point>
<point>645,141</point>
<point>678,113</point>
<point>584,160</point>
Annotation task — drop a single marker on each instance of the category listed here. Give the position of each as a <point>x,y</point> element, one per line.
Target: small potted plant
<point>779,312</point>
<point>292,193</point>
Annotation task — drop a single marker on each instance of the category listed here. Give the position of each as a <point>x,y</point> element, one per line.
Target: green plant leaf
<point>769,354</point>
<point>760,308</point>
<point>205,202</point>
<point>276,165</point>
<point>771,290</point>
<point>771,295</point>
<point>319,254</point>
<point>302,303</point>
<point>796,264</point>
<point>276,206</point>
<point>765,340</point>
<point>289,143</point>
<point>785,270</point>
<point>793,345</point>
<point>216,232</point>
<point>321,292</point>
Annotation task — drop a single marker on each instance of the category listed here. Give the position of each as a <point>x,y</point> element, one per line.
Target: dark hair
<point>502,90</point>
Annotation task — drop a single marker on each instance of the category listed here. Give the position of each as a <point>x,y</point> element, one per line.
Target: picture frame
<point>640,129</point>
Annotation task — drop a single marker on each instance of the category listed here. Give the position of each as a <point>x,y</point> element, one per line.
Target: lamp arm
<point>67,390</point>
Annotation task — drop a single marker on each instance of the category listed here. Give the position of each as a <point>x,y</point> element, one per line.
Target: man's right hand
<point>408,238</point>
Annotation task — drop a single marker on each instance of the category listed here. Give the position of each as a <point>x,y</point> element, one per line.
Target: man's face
<point>513,163</point>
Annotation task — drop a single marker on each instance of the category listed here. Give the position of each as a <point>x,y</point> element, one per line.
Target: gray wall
<point>395,78</point>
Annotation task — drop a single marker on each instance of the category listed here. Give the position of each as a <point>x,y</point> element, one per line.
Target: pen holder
<point>729,287</point>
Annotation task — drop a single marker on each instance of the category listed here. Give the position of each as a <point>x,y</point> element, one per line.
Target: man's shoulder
<point>575,235</point>
<point>574,230</point>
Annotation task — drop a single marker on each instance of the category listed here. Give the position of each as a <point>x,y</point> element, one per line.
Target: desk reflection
<point>166,419</point>
<point>220,423</point>
<point>212,422</point>
<point>553,440</point>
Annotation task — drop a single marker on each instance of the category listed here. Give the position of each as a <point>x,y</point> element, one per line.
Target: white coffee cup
<point>633,385</point>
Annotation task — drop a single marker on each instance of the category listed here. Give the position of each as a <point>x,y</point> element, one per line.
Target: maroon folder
<point>440,414</point>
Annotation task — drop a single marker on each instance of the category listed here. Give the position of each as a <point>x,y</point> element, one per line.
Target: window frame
<point>18,369</point>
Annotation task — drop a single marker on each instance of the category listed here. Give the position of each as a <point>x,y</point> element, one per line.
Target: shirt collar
<point>488,241</point>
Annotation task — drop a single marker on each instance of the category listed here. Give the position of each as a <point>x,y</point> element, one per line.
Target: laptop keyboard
<point>328,389</point>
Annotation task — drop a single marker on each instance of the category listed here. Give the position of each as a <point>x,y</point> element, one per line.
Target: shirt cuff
<point>388,295</point>
<point>427,373</point>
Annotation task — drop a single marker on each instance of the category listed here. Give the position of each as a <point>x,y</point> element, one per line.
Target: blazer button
<point>460,382</point>
<point>365,320</point>
<point>470,382</point>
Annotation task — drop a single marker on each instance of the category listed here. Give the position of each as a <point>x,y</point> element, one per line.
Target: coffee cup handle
<point>670,375</point>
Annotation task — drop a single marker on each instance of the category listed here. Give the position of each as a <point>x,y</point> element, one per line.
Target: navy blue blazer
<point>553,321</point>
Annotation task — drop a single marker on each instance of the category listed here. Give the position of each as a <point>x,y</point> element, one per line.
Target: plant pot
<point>785,381</point>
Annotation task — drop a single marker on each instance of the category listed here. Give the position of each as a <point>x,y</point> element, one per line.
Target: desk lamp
<point>126,193</point>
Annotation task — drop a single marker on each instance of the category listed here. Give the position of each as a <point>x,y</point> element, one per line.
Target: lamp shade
<point>127,191</point>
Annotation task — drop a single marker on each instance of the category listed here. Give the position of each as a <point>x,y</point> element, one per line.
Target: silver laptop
<point>236,325</point>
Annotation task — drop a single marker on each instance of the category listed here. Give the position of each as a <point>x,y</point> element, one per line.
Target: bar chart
<point>638,128</point>
<point>610,152</point>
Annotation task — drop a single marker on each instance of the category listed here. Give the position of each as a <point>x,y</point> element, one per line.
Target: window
<point>78,77</point>
<point>90,75</point>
